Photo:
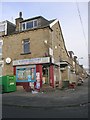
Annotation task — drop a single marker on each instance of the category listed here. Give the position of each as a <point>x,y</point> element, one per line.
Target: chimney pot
<point>20,14</point>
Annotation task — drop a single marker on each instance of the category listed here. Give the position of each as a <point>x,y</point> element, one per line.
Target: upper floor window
<point>23,26</point>
<point>29,24</point>
<point>35,23</point>
<point>26,46</point>
<point>2,28</point>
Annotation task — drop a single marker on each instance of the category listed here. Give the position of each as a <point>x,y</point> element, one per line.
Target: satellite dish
<point>8,60</point>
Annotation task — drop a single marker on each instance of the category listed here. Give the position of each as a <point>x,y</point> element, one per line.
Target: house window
<point>35,23</point>
<point>29,25</point>
<point>2,28</point>
<point>23,26</point>
<point>26,46</point>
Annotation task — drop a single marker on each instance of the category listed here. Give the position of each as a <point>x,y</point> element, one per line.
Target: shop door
<point>45,79</point>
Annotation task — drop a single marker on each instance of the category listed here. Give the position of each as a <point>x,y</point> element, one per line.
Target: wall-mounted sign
<point>50,52</point>
<point>31,61</point>
<point>8,60</point>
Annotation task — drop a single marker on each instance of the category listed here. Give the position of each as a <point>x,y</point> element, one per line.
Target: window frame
<point>23,46</point>
<point>33,24</point>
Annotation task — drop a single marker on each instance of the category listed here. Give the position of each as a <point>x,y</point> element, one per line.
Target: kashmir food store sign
<point>31,61</point>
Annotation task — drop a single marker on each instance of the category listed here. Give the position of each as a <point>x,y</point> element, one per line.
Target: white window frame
<point>28,22</point>
<point>23,45</point>
<point>5,27</point>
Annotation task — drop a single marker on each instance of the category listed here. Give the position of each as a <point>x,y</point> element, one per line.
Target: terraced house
<point>34,51</point>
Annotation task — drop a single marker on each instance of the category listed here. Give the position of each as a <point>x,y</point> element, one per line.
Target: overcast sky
<point>75,33</point>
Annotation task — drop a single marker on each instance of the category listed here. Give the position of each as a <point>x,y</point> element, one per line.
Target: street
<point>49,112</point>
<point>69,103</point>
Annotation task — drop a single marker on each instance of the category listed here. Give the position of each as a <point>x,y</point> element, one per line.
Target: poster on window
<point>37,80</point>
<point>38,77</point>
<point>26,74</point>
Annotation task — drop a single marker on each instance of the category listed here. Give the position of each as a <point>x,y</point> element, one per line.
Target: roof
<point>6,21</point>
<point>46,24</point>
<point>37,17</point>
<point>32,18</point>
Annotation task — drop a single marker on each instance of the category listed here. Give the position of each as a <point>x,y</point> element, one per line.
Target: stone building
<point>33,49</point>
<point>35,52</point>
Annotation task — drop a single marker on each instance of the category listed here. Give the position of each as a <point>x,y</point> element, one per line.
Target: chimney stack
<point>75,59</point>
<point>18,20</point>
<point>71,54</point>
<point>20,14</point>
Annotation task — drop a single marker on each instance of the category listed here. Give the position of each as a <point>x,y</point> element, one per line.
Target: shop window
<point>22,74</point>
<point>26,46</point>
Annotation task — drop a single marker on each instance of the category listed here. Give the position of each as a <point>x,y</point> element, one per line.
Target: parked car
<point>80,81</point>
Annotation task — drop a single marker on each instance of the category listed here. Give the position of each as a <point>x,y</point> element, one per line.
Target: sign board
<point>50,52</point>
<point>8,60</point>
<point>52,60</point>
<point>31,61</point>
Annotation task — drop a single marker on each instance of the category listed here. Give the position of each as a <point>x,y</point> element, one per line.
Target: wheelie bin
<point>9,83</point>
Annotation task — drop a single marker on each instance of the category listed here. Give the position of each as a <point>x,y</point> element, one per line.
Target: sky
<point>74,25</point>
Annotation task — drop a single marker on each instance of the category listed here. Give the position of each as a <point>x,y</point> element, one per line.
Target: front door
<point>45,75</point>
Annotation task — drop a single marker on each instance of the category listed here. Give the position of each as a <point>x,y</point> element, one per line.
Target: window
<point>2,28</point>
<point>26,73</point>
<point>35,23</point>
<point>26,46</point>
<point>23,26</point>
<point>29,25</point>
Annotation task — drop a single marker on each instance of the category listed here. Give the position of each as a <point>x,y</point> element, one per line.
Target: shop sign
<point>31,61</point>
<point>50,52</point>
<point>52,60</point>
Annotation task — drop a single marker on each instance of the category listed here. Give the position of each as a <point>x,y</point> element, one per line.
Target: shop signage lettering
<point>31,61</point>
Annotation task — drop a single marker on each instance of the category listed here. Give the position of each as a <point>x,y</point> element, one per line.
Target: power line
<point>81,23</point>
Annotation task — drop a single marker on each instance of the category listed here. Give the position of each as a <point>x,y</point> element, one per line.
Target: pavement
<point>58,98</point>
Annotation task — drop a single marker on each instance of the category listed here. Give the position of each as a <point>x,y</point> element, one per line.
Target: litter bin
<point>65,84</point>
<point>9,83</point>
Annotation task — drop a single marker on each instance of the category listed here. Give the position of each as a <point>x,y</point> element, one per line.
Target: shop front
<point>34,73</point>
